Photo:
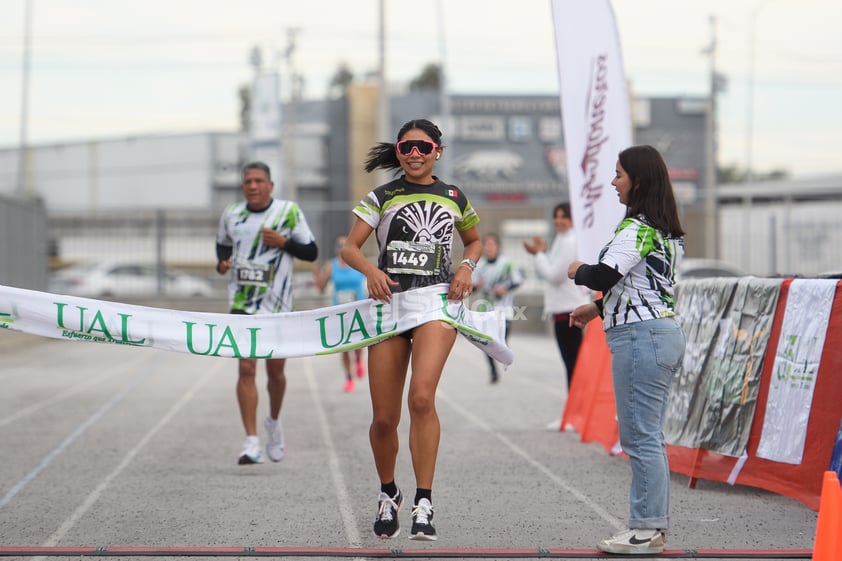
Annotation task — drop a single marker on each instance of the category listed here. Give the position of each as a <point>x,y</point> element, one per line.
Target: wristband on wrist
<point>472,265</point>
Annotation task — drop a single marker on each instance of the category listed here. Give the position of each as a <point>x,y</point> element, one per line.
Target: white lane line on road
<point>582,497</point>
<point>541,386</point>
<point>339,485</point>
<point>32,408</point>
<point>80,430</point>
<point>92,498</point>
<point>115,370</point>
<point>517,373</point>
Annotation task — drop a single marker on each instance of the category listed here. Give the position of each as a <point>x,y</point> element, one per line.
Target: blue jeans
<point>644,358</point>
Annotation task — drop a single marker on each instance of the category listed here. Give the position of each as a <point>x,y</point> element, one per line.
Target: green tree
<point>733,173</point>
<point>244,93</point>
<point>429,79</point>
<point>341,78</point>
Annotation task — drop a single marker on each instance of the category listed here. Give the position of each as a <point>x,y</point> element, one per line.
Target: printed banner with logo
<point>595,116</point>
<point>286,335</point>
<point>724,398</point>
<point>795,370</point>
<point>701,305</point>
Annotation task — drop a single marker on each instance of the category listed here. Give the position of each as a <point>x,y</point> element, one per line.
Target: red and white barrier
<point>590,404</point>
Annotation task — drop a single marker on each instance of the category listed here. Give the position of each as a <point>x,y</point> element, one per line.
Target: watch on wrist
<point>472,265</point>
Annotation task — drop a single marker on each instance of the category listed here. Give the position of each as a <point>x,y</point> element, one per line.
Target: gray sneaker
<point>634,542</point>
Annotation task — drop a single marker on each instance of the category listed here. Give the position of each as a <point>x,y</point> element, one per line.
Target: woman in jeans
<point>636,274</point>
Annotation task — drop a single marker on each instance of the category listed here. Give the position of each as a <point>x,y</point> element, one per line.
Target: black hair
<point>383,155</point>
<point>651,193</point>
<point>563,207</point>
<point>257,165</point>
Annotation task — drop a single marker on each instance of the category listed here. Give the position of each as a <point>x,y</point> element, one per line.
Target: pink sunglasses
<point>424,147</point>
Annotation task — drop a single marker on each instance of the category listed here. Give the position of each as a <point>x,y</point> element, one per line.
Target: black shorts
<point>406,335</point>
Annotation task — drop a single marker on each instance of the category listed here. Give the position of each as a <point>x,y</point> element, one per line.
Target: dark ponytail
<point>383,154</point>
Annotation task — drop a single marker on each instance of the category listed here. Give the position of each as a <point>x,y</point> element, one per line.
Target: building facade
<point>506,152</point>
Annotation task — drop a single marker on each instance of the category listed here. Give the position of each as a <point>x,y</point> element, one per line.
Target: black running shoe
<point>422,522</point>
<point>386,525</point>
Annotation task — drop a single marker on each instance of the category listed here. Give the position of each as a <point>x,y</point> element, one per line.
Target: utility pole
<point>710,150</point>
<point>383,124</point>
<point>291,132</point>
<point>24,100</point>
<point>446,163</point>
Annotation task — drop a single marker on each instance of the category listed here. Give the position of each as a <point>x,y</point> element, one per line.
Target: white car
<point>118,279</point>
<point>697,268</point>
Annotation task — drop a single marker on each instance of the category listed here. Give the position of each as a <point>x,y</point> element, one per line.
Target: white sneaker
<point>251,453</point>
<point>276,448</point>
<point>634,542</point>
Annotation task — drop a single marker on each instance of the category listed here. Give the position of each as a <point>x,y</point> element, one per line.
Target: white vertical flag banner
<point>793,380</point>
<point>595,116</point>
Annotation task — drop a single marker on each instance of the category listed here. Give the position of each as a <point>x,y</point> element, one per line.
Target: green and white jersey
<point>493,274</point>
<point>647,259</point>
<point>415,225</point>
<point>260,280</point>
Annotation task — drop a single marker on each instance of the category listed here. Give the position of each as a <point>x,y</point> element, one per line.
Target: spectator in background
<point>257,242</point>
<point>348,286</point>
<point>561,295</point>
<point>495,280</point>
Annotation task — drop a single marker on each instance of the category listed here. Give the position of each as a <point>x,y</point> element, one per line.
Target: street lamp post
<point>749,174</point>
<point>710,151</point>
<point>752,32</point>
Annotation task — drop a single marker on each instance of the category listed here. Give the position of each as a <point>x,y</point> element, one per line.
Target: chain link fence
<point>144,250</point>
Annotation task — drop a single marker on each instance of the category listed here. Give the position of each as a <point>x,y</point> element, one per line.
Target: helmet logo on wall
<point>488,165</point>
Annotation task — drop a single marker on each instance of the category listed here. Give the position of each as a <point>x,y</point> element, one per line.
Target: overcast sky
<point>111,68</point>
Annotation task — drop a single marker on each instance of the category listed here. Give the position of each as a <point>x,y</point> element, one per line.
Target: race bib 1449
<point>413,258</point>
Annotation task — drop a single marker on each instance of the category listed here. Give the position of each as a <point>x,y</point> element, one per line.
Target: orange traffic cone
<point>828,546</point>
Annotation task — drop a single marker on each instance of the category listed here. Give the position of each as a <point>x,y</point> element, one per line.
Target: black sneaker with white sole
<point>386,525</point>
<point>422,522</point>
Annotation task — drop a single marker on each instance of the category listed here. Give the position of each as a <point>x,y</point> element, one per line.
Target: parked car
<point>698,268</point>
<point>119,279</point>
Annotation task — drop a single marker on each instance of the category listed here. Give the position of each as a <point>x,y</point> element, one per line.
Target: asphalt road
<point>106,447</point>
